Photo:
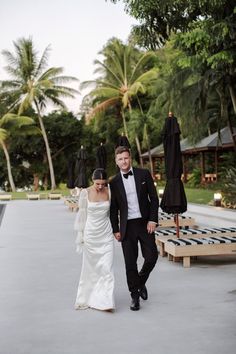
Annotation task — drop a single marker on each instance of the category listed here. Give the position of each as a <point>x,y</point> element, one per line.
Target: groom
<point>134,216</point>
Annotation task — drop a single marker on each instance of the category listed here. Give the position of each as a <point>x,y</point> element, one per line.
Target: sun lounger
<point>162,235</point>
<point>33,196</point>
<point>207,246</point>
<point>54,196</point>
<point>166,220</point>
<point>72,203</point>
<point>5,197</point>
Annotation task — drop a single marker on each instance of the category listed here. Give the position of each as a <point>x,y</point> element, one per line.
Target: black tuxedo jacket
<point>147,198</point>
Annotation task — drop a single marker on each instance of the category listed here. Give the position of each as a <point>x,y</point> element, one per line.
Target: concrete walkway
<point>188,311</point>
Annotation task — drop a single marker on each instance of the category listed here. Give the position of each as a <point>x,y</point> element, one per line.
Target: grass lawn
<point>199,196</point>
<point>43,194</point>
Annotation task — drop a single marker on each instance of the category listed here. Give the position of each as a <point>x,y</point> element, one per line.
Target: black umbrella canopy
<point>174,199</point>
<point>101,157</point>
<point>80,169</point>
<point>71,177</point>
<point>123,141</point>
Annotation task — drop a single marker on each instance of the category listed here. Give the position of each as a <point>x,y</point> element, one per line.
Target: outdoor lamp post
<point>217,199</point>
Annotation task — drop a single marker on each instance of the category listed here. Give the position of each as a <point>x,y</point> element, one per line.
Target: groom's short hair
<point>121,149</point>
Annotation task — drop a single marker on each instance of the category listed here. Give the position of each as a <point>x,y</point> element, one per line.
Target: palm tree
<point>9,124</point>
<point>124,75</point>
<point>32,84</point>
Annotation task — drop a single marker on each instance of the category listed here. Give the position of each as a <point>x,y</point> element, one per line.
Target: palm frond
<point>102,107</point>
<point>3,134</point>
<point>139,67</point>
<point>109,70</point>
<point>86,84</point>
<point>136,88</point>
<point>43,61</point>
<point>64,79</point>
<point>106,92</point>
<point>51,73</point>
<point>147,76</point>
<point>28,130</point>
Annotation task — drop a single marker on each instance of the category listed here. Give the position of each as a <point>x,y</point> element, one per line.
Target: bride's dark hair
<point>99,173</point>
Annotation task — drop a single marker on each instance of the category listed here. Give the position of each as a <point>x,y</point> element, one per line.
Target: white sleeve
<point>80,220</point>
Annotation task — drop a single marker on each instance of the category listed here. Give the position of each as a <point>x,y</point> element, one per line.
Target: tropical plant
<point>125,75</point>
<point>33,84</point>
<point>9,124</point>
<point>229,188</point>
<point>206,33</point>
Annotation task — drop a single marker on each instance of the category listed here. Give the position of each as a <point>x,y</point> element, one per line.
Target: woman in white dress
<point>95,239</point>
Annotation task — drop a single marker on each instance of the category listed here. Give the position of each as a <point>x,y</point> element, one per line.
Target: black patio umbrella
<point>70,174</point>
<point>80,169</point>
<point>101,157</point>
<point>174,199</point>
<point>123,141</point>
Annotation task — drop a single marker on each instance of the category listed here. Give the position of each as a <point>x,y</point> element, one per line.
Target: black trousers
<point>136,231</point>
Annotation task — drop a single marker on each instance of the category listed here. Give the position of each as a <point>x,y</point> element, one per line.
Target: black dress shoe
<point>135,305</point>
<point>143,293</point>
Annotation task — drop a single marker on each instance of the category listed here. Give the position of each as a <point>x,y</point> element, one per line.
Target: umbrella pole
<point>176,219</point>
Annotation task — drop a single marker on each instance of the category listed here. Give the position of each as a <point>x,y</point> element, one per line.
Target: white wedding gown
<point>95,238</point>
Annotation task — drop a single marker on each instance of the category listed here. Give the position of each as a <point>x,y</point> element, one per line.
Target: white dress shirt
<point>132,198</point>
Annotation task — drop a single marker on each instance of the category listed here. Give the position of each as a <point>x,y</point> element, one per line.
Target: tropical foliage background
<point>181,57</point>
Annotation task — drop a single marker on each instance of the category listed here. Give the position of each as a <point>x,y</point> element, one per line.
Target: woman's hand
<point>117,236</point>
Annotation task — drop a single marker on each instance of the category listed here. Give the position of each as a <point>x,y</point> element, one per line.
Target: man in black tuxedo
<point>134,216</point>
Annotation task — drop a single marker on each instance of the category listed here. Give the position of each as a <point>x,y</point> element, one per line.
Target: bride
<point>95,239</point>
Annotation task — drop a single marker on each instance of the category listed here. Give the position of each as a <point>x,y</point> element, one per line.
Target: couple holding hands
<point>128,210</point>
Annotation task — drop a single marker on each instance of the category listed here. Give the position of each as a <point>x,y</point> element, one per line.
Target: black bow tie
<point>126,175</point>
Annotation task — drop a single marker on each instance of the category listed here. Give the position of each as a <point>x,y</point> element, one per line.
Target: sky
<point>76,30</point>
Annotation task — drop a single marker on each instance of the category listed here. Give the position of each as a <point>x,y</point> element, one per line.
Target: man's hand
<point>151,227</point>
<point>117,236</point>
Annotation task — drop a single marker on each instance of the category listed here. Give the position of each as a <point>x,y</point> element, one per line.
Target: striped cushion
<point>164,216</point>
<point>203,231</point>
<point>202,241</point>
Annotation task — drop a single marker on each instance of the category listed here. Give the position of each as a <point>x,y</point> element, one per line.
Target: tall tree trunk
<point>10,177</point>
<point>233,96</point>
<point>48,151</point>
<point>36,182</point>
<point>225,114</point>
<point>124,123</point>
<point>231,88</point>
<point>139,150</point>
<point>150,160</point>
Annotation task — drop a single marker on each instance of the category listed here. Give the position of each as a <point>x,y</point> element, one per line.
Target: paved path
<point>188,311</point>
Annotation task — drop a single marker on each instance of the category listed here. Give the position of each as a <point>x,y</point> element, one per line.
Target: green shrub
<point>195,179</point>
<point>229,188</point>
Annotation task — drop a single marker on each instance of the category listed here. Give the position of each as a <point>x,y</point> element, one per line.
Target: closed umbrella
<point>123,141</point>
<point>174,199</point>
<point>101,157</point>
<point>80,169</point>
<point>70,174</point>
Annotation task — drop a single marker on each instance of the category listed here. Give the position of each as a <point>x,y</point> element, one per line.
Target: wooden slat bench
<point>208,246</point>
<point>162,235</point>
<point>166,220</point>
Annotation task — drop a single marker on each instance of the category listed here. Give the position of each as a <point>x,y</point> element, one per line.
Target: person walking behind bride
<point>95,239</point>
